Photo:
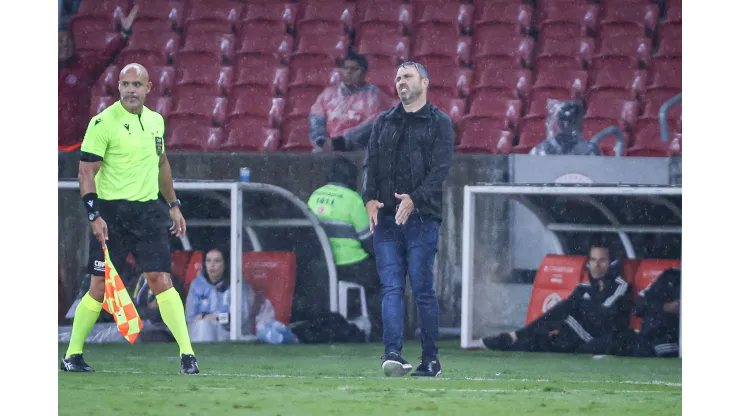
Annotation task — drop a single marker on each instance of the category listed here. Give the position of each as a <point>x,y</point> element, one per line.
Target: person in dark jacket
<point>407,160</point>
<point>591,320</point>
<point>564,127</point>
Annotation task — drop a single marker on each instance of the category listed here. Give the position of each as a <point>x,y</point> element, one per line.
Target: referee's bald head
<point>134,85</point>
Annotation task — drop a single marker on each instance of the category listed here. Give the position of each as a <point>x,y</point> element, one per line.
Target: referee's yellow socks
<point>173,315</point>
<point>86,314</point>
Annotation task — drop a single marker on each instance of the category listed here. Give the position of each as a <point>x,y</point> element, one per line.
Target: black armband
<point>91,202</point>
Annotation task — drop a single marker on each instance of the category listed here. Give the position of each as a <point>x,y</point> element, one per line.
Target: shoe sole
<point>395,369</point>
<point>439,373</point>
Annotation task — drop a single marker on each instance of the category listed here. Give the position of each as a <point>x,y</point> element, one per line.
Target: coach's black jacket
<point>658,325</point>
<point>430,144</point>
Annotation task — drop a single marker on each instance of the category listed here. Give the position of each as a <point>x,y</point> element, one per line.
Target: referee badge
<point>158,142</point>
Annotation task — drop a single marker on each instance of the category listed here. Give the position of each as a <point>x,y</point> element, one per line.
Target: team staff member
<point>342,214</point>
<point>408,159</point>
<point>123,167</point>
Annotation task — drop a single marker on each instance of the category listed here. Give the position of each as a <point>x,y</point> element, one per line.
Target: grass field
<point>239,379</point>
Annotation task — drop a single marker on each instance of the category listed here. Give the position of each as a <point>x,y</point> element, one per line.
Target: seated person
<point>588,321</point>
<point>564,126</point>
<point>659,307</point>
<point>342,116</point>
<point>344,218</point>
<point>209,300</point>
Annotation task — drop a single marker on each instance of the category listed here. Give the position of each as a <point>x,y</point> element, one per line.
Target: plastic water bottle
<point>244,174</point>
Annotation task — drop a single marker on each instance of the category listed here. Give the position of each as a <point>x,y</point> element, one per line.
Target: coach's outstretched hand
<point>372,208</point>
<point>178,222</point>
<point>100,230</point>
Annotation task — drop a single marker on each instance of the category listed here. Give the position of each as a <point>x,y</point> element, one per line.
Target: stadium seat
<point>259,103</point>
<point>664,74</point>
<point>489,41</point>
<point>556,278</point>
<point>379,39</point>
<point>570,82</point>
<point>563,30</point>
<point>313,71</point>
<point>295,136</point>
<point>448,78</point>
<point>381,72</point>
<point>160,15</point>
<point>107,83</point>
<point>190,135</point>
<point>537,103</point>
<point>605,4</point>
<point>91,35</point>
<point>321,38</point>
<point>180,262</point>
<point>102,9</point>
<point>643,19</point>
<point>449,104</point>
<point>384,11</point>
<point>635,50</point>
<point>572,53</point>
<point>99,103</point>
<point>480,136</point>
<point>673,11</point>
<point>195,264</point>
<point>326,11</point>
<point>490,105</point>
<point>532,131</point>
<point>612,105</point>
<point>655,98</point>
<point>508,13</point>
<point>265,38</point>
<point>594,125</point>
<point>503,76</point>
<point>282,14</point>
<point>161,105</point>
<point>218,16</point>
<point>669,40</point>
<point>154,48</point>
<point>250,135</point>
<point>617,78</point>
<point>217,44</point>
<point>207,110</point>
<point>431,40</point>
<point>649,142</point>
<point>647,272</point>
<point>263,73</point>
<point>273,273</point>
<point>445,13</point>
<point>162,78</point>
<point>204,70</point>
<point>580,16</point>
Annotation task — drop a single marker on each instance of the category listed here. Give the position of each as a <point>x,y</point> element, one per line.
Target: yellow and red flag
<point>118,303</point>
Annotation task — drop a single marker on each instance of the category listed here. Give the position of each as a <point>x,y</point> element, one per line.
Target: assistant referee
<point>123,168</point>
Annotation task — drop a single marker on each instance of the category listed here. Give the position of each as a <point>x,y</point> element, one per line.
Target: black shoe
<point>501,342</point>
<point>428,368</point>
<point>395,366</point>
<point>76,364</point>
<point>188,364</point>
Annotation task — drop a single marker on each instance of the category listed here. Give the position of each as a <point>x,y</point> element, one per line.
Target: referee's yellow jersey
<point>131,146</point>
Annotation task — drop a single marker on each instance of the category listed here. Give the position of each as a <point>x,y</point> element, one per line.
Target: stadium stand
<point>622,58</point>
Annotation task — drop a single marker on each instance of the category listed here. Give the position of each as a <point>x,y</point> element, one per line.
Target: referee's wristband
<point>91,202</point>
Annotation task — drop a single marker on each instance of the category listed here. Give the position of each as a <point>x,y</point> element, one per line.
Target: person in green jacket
<point>342,214</point>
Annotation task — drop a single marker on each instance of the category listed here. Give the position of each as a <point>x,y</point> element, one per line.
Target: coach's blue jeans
<point>411,248</point>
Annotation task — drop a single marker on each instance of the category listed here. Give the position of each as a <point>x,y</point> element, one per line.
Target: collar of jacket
<point>608,278</point>
<point>424,112</point>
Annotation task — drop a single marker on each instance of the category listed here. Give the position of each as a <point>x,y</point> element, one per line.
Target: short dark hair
<point>423,73</point>
<point>360,59</point>
<point>600,241</point>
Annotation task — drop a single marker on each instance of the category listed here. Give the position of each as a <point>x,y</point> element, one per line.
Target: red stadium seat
<point>488,41</point>
<point>532,131</point>
<point>580,16</point>
<point>180,262</point>
<point>213,16</point>
<point>272,273</point>
<point>673,11</point>
<point>489,105</point>
<point>91,34</point>
<point>643,18</point>
<point>378,39</point>
<point>103,9</point>
<point>664,74</point>
<point>254,72</point>
<point>452,14</point>
<point>480,136</point>
<point>326,11</point>
<point>449,104</point>
<point>250,135</point>
<point>503,76</point>
<point>647,272</point>
<point>279,13</point>
<point>313,71</point>
<point>384,11</point>
<point>621,79</point>
<point>440,41</point>
<point>267,38</point>
<point>669,40</point>
<point>190,135</point>
<point>570,82</point>
<point>159,15</point>
<point>538,101</point>
<point>206,110</point>
<point>614,105</point>
<point>592,126</point>
<point>508,13</point>
<point>556,278</point>
<point>322,38</point>
<point>246,102</point>
<point>152,47</point>
<point>606,4</point>
<point>203,69</point>
<point>626,48</point>
<point>655,98</point>
<point>161,105</point>
<point>107,84</point>
<point>99,103</point>
<point>649,142</point>
<point>381,73</point>
<point>298,103</point>
<point>448,78</point>
<point>295,137</point>
<point>162,78</point>
<point>217,44</point>
<point>551,50</point>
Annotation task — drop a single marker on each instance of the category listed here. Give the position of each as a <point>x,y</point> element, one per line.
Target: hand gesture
<point>372,208</point>
<point>178,222</point>
<point>405,209</point>
<point>100,230</point>
<point>128,21</point>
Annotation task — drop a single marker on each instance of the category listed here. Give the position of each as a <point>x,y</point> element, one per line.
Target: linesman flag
<point>117,302</point>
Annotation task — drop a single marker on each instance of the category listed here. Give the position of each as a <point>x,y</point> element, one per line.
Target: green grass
<point>240,379</point>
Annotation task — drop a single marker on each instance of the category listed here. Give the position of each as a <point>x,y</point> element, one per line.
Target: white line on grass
<point>292,376</point>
